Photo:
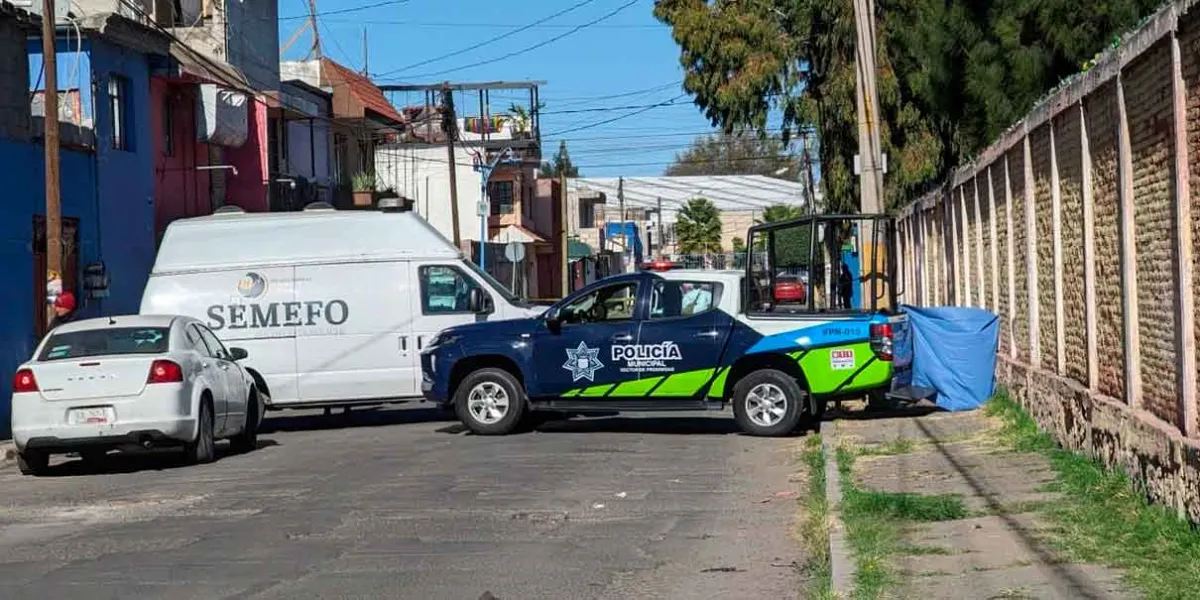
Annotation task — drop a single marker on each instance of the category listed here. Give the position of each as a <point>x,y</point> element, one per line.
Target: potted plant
<point>387,192</point>
<point>363,185</point>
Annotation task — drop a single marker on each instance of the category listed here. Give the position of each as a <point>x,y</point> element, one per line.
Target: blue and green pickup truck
<point>671,340</point>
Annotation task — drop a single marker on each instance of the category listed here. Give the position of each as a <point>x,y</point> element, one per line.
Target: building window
<point>168,127</point>
<point>500,196</point>
<point>587,214</point>
<point>118,96</point>
<point>339,158</point>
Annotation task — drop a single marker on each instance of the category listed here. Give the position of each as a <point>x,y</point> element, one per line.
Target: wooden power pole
<point>566,261</point>
<point>54,245</point>
<point>449,127</point>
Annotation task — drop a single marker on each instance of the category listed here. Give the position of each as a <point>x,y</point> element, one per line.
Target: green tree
<point>739,245</point>
<point>560,165</point>
<point>698,227</point>
<point>739,153</point>
<point>952,76</point>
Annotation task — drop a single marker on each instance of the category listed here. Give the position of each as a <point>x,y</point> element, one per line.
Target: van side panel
<point>254,308</point>
<point>363,347</point>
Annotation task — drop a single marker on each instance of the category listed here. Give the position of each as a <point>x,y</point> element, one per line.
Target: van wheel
<point>247,439</point>
<point>32,462</point>
<point>490,402</point>
<point>769,403</point>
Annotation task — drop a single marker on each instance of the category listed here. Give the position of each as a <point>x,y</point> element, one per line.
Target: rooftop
<point>728,192</point>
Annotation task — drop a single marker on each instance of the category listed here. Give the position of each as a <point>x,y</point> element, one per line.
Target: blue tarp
<point>954,352</point>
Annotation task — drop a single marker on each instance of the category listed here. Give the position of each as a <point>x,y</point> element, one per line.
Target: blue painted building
<point>106,180</point>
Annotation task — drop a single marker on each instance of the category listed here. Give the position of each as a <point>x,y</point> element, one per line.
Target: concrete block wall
<point>1079,229</point>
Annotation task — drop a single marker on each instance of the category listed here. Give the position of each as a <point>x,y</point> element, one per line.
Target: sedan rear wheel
<point>203,448</point>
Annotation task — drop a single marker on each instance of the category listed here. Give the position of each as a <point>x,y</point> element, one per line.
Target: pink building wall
<point>248,189</point>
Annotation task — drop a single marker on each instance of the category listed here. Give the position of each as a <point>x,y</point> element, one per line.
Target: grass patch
<point>814,524</point>
<point>1102,518</point>
<point>875,524</point>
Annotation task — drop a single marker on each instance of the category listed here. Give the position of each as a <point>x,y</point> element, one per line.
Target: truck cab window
<point>445,290</point>
<point>607,304</point>
<point>671,299</point>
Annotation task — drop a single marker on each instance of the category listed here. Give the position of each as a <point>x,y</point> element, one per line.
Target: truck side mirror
<point>554,320</point>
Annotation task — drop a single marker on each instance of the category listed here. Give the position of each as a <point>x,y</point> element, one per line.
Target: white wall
<point>419,172</point>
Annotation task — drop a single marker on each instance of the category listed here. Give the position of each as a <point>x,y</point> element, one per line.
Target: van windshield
<point>496,285</point>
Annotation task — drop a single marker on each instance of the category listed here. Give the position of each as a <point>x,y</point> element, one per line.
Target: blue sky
<point>626,60</point>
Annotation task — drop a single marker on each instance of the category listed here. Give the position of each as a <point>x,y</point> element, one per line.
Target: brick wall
<point>1090,207</point>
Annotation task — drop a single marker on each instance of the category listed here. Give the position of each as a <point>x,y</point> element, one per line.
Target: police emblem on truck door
<point>583,363</point>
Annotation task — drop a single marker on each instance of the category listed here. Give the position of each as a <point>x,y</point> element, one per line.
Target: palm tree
<point>698,227</point>
<point>779,212</point>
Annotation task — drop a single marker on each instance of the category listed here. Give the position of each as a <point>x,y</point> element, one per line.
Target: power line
<point>560,36</point>
<point>618,118</point>
<point>489,40</point>
<point>611,108</point>
<point>490,25</point>
<point>342,11</point>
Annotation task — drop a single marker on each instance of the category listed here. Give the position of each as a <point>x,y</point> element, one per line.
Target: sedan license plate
<point>89,416</point>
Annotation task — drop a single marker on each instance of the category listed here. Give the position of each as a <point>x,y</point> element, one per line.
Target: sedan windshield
<point>106,342</point>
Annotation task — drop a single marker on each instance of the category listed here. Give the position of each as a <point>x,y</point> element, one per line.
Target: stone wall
<point>1078,229</point>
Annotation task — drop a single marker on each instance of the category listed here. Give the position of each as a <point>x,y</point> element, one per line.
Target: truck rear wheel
<point>768,403</point>
<point>490,402</point>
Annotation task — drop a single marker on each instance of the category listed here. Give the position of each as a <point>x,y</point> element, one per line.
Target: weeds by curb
<point>814,527</point>
<point>1102,517</point>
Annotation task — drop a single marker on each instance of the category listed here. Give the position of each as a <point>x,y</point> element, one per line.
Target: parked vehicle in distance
<point>333,306</point>
<point>132,381</point>
<point>789,289</point>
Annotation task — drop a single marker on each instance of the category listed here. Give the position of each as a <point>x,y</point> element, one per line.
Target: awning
<point>577,249</point>
<point>516,233</point>
<point>209,69</point>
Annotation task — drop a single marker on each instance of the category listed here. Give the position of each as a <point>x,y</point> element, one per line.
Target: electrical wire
<point>492,40</point>
<point>342,11</point>
<point>488,25</point>
<point>607,121</point>
<point>546,42</point>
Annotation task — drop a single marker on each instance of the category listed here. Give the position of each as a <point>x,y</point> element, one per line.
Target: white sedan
<point>139,380</point>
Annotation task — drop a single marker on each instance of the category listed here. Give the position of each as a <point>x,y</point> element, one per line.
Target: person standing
<point>64,309</point>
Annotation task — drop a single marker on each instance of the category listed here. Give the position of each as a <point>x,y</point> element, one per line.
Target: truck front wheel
<point>490,402</point>
<point>768,403</point>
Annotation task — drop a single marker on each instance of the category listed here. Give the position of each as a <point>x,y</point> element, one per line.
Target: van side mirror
<point>479,302</point>
<point>236,354</point>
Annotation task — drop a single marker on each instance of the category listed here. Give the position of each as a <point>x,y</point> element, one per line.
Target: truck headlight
<point>442,339</point>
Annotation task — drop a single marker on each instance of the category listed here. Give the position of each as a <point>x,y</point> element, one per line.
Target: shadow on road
<point>161,459</point>
<point>894,411</point>
<point>375,416</point>
<point>635,425</point>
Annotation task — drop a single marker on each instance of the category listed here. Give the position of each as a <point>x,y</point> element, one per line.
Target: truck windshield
<point>496,285</point>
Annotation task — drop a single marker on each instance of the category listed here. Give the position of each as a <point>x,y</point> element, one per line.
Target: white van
<point>333,306</point>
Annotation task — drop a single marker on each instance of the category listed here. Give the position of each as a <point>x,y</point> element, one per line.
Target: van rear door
<point>355,340</point>
<point>252,308</point>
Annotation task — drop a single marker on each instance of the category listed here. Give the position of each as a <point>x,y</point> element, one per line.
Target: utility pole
<point>315,50</point>
<point>450,127</point>
<point>54,246</point>
<point>660,229</point>
<point>810,183</point>
<point>365,57</point>
<point>566,225</point>
<point>624,233</point>
<point>869,144</point>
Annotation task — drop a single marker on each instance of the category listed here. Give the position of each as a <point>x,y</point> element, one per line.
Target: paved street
<point>399,504</point>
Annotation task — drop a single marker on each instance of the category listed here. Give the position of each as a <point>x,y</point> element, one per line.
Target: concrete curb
<point>841,563</point>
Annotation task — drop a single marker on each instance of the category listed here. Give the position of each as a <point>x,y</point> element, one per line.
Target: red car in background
<point>789,289</point>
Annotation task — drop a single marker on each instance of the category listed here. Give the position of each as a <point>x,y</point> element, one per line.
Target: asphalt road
<point>399,504</point>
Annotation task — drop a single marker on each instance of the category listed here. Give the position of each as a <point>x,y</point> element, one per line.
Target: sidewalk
<point>997,547</point>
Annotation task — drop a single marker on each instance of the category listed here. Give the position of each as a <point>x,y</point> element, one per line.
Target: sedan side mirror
<point>236,354</point>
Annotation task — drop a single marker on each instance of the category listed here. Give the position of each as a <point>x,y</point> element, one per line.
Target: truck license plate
<point>89,416</point>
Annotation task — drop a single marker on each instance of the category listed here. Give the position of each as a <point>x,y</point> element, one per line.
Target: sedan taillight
<point>165,371</point>
<point>24,382</point>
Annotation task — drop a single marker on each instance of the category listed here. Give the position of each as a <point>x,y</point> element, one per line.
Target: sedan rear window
<point>106,342</point>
